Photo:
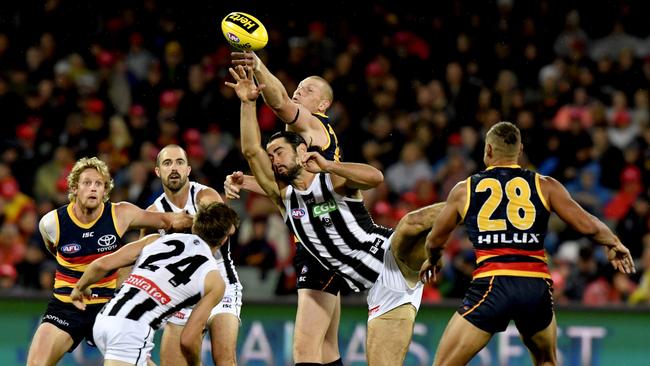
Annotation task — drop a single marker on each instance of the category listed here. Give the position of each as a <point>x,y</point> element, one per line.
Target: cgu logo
<point>243,21</point>
<point>323,208</point>
<point>70,248</point>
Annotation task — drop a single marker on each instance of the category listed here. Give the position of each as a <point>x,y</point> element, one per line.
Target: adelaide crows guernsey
<point>506,219</point>
<point>338,231</point>
<point>331,150</point>
<point>78,244</point>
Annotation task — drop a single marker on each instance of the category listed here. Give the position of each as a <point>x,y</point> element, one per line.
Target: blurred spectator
<point>410,169</point>
<point>257,251</point>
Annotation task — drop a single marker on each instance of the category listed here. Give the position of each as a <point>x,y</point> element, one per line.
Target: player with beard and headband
<point>89,227</point>
<point>182,195</point>
<point>319,300</point>
<point>321,202</point>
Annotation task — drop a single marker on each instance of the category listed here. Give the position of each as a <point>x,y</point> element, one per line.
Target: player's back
<point>506,218</point>
<point>169,275</point>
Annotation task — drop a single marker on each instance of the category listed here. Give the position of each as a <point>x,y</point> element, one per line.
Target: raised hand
<point>245,87</point>
<point>246,58</point>
<point>314,162</point>
<point>233,184</point>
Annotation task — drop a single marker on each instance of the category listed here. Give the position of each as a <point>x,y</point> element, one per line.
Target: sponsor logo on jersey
<point>323,208</point>
<point>149,287</point>
<point>297,213</point>
<point>88,234</point>
<point>179,315</point>
<point>106,240</point>
<point>304,270</point>
<point>70,248</point>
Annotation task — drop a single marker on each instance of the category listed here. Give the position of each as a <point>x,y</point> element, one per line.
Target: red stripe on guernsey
<point>61,277</point>
<point>508,251</point>
<point>86,259</point>
<point>515,266</point>
<point>149,287</point>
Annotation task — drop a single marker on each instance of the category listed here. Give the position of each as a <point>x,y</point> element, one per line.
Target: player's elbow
<point>249,152</point>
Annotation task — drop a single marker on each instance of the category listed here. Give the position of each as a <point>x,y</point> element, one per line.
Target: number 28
<point>520,211</point>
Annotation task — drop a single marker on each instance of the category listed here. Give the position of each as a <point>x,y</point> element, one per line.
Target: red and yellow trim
<point>482,255</point>
<point>519,269</point>
<point>74,218</point>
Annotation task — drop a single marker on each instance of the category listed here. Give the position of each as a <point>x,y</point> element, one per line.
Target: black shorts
<point>491,302</point>
<point>78,324</point>
<point>313,276</point>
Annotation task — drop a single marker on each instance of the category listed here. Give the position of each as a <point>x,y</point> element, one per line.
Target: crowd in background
<point>414,93</point>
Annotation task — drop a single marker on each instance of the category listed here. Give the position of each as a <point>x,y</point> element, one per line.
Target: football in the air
<point>244,32</point>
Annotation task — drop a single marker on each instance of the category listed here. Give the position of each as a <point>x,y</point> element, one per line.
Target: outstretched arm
<point>352,175</point>
<point>251,140</point>
<point>296,116</point>
<point>237,181</point>
<point>572,213</point>
<point>129,216</point>
<point>125,256</point>
<point>445,224</point>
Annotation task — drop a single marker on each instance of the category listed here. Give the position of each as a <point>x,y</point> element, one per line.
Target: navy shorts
<point>313,276</point>
<point>491,302</point>
<point>77,323</point>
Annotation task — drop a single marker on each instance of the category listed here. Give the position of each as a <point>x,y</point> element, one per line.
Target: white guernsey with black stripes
<point>338,231</point>
<point>223,257</point>
<point>232,298</point>
<point>169,275</point>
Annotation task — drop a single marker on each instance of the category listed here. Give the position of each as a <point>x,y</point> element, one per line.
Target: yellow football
<point>243,31</point>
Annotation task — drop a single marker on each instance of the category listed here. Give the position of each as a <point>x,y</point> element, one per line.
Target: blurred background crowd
<point>414,93</point>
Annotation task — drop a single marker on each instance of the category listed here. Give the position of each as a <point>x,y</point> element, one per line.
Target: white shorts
<point>230,304</point>
<point>391,289</point>
<point>123,339</point>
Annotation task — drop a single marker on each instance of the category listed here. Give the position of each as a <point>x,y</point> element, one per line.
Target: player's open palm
<point>245,58</point>
<point>245,87</point>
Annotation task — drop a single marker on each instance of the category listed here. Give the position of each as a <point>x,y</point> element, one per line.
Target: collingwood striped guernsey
<point>338,231</point>
<point>223,257</point>
<point>169,275</point>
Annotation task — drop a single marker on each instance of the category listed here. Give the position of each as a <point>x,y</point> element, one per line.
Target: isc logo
<point>88,234</point>
<point>249,25</point>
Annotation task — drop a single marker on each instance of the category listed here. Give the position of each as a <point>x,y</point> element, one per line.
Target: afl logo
<point>233,37</point>
<point>70,248</point>
<point>297,213</point>
<point>106,240</point>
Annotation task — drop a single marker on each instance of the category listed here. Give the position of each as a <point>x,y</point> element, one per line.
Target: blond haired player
<point>89,227</point>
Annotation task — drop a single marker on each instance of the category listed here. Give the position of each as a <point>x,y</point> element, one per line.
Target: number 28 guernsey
<point>506,218</point>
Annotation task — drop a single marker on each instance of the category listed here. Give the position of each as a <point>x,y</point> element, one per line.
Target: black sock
<point>334,363</point>
<point>309,364</point>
